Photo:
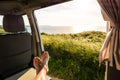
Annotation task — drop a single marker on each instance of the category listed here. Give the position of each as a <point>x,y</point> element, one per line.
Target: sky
<point>79,14</point>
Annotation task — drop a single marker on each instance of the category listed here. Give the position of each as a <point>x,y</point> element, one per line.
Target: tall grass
<point>75,56</point>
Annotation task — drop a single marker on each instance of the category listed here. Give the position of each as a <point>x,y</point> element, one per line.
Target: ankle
<point>45,68</point>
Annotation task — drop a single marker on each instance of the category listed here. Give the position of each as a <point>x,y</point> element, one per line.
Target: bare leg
<point>41,66</point>
<point>42,74</point>
<point>37,64</point>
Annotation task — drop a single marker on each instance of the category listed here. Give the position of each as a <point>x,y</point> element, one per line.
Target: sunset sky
<point>80,14</point>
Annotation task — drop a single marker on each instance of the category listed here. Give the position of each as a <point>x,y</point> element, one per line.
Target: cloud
<point>76,12</point>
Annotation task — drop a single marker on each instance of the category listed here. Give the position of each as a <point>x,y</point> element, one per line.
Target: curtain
<point>110,50</point>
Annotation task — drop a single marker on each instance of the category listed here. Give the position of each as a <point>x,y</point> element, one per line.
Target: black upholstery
<point>15,50</point>
<point>113,73</point>
<point>15,53</point>
<point>13,23</point>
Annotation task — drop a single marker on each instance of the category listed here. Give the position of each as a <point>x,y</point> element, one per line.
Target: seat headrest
<point>13,23</point>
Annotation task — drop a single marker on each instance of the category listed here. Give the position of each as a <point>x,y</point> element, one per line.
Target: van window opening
<point>73,33</point>
<point>71,17</point>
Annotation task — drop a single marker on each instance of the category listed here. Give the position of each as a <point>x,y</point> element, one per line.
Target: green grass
<point>1,30</point>
<point>75,56</point>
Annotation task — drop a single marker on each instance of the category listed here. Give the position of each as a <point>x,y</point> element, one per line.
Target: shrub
<point>75,56</point>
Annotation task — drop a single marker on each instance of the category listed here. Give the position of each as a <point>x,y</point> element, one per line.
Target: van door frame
<point>38,48</point>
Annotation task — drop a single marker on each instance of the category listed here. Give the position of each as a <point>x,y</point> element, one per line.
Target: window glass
<point>27,25</point>
<point>1,25</point>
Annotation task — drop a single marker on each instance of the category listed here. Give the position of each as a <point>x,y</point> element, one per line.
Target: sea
<point>67,29</point>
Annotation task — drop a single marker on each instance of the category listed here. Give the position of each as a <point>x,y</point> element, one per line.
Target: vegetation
<point>1,30</point>
<point>75,56</point>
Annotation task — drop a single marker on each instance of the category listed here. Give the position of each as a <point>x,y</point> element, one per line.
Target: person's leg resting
<point>41,66</point>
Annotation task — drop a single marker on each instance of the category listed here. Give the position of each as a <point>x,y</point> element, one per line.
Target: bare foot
<point>37,64</point>
<point>40,62</point>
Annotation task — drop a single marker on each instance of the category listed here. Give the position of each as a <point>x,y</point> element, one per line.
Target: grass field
<point>75,56</point>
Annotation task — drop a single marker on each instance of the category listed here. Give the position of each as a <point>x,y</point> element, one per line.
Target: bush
<point>75,56</point>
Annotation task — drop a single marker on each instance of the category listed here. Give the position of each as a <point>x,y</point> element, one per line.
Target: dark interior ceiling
<point>21,6</point>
